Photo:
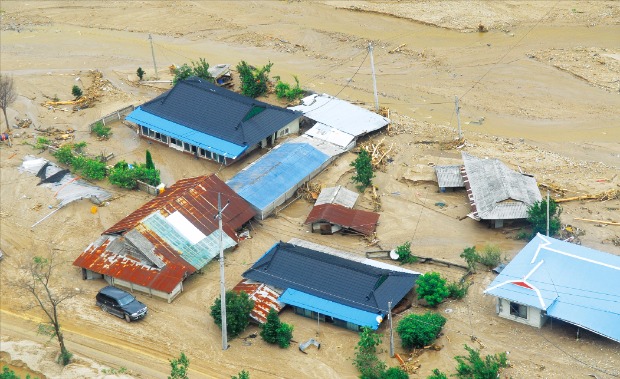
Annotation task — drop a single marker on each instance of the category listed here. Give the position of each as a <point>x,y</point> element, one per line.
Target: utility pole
<point>153,53</point>
<point>391,330</point>
<point>458,116</point>
<point>222,284</point>
<point>374,79</point>
<point>547,213</point>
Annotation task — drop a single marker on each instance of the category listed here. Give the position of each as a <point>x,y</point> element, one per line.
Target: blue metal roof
<point>275,173</point>
<point>334,278</point>
<point>330,308</point>
<point>571,282</point>
<point>207,108</point>
<point>185,134</point>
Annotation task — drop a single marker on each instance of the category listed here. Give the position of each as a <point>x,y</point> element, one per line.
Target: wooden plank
<point>599,221</point>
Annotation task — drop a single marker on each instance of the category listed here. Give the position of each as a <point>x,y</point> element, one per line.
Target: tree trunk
<point>8,128</point>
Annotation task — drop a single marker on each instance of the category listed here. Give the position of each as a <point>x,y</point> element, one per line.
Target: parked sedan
<point>120,303</point>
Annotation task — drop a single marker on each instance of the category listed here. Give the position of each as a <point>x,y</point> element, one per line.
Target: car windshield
<point>125,300</point>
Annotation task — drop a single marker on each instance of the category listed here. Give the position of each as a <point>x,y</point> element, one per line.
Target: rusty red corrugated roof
<point>360,221</point>
<point>196,199</point>
<point>264,298</point>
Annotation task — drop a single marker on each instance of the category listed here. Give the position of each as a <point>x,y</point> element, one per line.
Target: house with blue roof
<point>332,286</point>
<point>207,121</point>
<point>550,278</point>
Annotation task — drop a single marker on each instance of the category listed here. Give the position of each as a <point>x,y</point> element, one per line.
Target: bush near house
<point>431,287</point>
<point>101,130</point>
<point>127,176</point>
<point>473,366</point>
<point>417,331</point>
<point>363,170</point>
<point>238,308</point>
<point>284,90</point>
<point>89,168</point>
<point>404,253</point>
<point>276,332</point>
<point>253,81</point>
<point>537,216</point>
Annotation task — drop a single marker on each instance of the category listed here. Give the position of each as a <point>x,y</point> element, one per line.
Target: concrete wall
<point>535,317</point>
<point>134,287</point>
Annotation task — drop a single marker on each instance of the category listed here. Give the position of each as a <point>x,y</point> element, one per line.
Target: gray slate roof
<point>497,192</point>
<point>331,277</point>
<point>449,176</point>
<point>216,111</point>
<point>337,195</point>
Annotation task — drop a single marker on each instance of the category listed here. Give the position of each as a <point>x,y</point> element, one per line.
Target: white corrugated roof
<point>337,195</point>
<point>329,134</point>
<point>340,114</point>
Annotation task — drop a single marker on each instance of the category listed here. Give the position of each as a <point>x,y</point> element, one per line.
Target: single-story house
<point>338,121</point>
<point>497,193</point>
<point>332,286</point>
<point>550,278</point>
<point>211,122</point>
<point>156,247</point>
<point>275,177</point>
<point>264,298</point>
<point>449,177</point>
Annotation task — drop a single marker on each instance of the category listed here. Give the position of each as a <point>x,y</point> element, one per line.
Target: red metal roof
<point>125,267</point>
<point>264,298</point>
<point>360,221</point>
<point>196,199</point>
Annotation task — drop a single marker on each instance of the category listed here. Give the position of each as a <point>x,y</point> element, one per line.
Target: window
<point>518,310</point>
<point>145,131</point>
<point>194,149</point>
<point>185,146</point>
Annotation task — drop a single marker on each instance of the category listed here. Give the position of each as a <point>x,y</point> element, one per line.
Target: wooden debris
<point>376,199</point>
<point>453,144</point>
<point>23,123</point>
<point>598,221</point>
<point>410,365</point>
<point>90,96</point>
<point>397,49</point>
<point>378,153</point>
<point>603,196</point>
<point>310,191</point>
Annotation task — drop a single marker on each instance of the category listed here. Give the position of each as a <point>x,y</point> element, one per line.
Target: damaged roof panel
<point>360,221</point>
<point>264,298</point>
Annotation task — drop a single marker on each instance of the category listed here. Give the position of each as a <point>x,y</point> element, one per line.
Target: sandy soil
<point>539,90</point>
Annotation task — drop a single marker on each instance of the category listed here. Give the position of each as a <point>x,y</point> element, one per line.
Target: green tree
<point>181,73</point>
<point>432,288</point>
<point>491,256</point>
<point>269,330</point>
<point>437,375</point>
<point>417,331</point>
<point>457,290</point>
<point>199,69</point>
<point>76,91</point>
<point>238,308</point>
<point>366,360</point>
<point>284,90</point>
<point>101,130</point>
<point>537,216</point>
<point>471,257</point>
<point>64,154</point>
<point>253,81</point>
<point>140,72</point>
<point>285,335</point>
<point>404,253</point>
<point>363,170</point>
<point>149,161</point>
<point>242,375</point>
<point>394,373</point>
<point>474,367</point>
<point>179,367</point>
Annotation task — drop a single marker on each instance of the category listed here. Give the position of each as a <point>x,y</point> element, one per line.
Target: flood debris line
<point>88,99</point>
<point>67,187</point>
<point>611,194</point>
<point>378,153</point>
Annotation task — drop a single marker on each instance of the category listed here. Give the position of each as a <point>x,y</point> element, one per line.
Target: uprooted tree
<point>8,95</point>
<point>37,280</point>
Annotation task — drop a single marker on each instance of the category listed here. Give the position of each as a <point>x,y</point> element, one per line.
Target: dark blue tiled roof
<point>207,108</point>
<point>331,277</point>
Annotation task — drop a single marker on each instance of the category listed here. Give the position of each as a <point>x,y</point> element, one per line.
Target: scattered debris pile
<point>90,96</point>
<point>611,194</point>
<point>58,134</point>
<point>453,144</point>
<point>22,123</point>
<point>378,153</point>
<point>310,191</point>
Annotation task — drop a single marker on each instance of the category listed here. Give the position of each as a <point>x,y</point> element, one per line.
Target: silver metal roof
<point>449,176</point>
<point>497,192</point>
<point>337,195</point>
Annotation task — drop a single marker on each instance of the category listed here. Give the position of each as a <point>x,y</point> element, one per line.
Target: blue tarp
<point>570,282</point>
<point>277,172</point>
<point>330,308</point>
<point>180,132</point>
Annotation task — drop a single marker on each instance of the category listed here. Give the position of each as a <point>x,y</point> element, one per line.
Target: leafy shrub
<point>417,331</point>
<point>471,257</point>
<point>437,375</point>
<point>537,216</point>
<point>473,366</point>
<point>432,288</point>
<point>363,169</point>
<point>366,360</point>
<point>285,335</point>
<point>284,90</point>
<point>101,130</point>
<point>404,253</point>
<point>238,308</point>
<point>199,69</point>
<point>491,256</point>
<point>76,91</point>
<point>394,373</point>
<point>42,143</point>
<point>149,176</point>
<point>149,161</point>
<point>179,367</point>
<point>78,147</point>
<point>94,169</point>
<point>140,72</point>
<point>253,81</point>
<point>457,290</point>
<point>64,154</point>
<point>274,331</point>
<point>242,375</point>
<point>126,176</point>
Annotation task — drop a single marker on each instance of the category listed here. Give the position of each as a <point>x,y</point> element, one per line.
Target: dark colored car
<point>120,303</point>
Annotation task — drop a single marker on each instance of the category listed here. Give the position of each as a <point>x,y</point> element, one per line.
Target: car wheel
<point>127,318</point>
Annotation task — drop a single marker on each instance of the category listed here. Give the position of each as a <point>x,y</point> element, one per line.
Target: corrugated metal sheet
<point>196,199</point>
<point>571,282</point>
<point>274,177</point>
<point>337,195</point>
<point>264,298</point>
<point>357,220</point>
<point>497,192</point>
<point>341,115</point>
<point>449,176</point>
<point>333,135</point>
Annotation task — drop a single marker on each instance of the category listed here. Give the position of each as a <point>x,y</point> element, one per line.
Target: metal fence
<point>114,116</point>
